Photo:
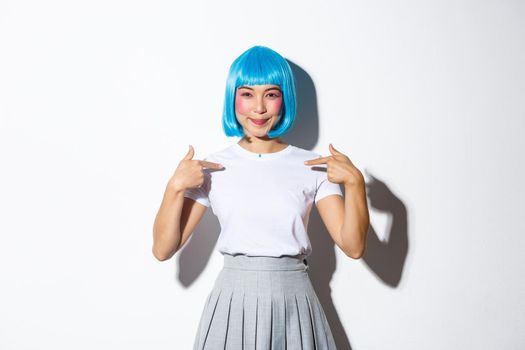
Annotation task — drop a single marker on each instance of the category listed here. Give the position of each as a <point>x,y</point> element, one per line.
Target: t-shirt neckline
<point>261,156</point>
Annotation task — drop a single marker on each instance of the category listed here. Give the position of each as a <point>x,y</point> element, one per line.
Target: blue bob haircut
<point>260,65</point>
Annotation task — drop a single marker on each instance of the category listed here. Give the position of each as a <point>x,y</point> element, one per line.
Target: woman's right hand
<point>189,172</point>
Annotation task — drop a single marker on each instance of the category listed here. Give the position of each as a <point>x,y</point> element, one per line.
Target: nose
<point>259,106</point>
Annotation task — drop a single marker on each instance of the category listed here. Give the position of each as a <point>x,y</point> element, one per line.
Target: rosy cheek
<point>276,105</point>
<point>240,105</point>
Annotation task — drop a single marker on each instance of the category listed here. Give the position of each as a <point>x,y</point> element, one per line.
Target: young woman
<point>262,191</point>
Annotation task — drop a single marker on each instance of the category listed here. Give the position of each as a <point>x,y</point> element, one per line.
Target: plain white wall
<point>99,101</point>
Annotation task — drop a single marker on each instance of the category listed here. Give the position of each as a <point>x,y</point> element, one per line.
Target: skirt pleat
<point>294,338</point>
<point>278,322</point>
<point>235,330</point>
<point>263,303</point>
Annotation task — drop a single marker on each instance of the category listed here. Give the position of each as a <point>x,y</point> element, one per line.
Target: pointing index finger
<point>213,165</point>
<point>320,160</point>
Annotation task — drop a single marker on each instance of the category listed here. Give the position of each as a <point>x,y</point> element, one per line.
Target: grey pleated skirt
<point>263,303</point>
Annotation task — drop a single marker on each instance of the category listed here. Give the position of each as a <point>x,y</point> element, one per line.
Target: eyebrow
<point>246,87</point>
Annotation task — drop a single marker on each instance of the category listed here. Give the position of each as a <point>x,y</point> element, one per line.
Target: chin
<point>258,134</point>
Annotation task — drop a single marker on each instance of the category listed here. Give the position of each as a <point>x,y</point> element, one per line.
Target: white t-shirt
<point>263,202</point>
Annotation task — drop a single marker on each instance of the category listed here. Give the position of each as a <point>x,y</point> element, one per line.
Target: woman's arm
<point>166,228</point>
<point>175,221</point>
<point>178,216</point>
<point>356,220</point>
<point>347,221</point>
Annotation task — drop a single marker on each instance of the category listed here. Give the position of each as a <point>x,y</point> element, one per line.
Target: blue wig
<point>260,65</point>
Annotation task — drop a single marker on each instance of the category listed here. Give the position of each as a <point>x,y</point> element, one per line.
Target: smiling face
<point>258,108</point>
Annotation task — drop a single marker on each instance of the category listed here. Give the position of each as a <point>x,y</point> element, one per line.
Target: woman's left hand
<point>339,169</point>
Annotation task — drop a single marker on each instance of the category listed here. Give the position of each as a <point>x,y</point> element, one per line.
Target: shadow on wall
<point>385,259</point>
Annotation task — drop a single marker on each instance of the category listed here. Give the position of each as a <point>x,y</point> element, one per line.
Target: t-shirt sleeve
<point>200,194</point>
<point>324,186</point>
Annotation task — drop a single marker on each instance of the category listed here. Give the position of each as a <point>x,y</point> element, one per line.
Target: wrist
<point>175,186</point>
<point>353,186</point>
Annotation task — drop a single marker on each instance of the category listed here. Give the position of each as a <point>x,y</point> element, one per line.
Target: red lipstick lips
<point>259,121</point>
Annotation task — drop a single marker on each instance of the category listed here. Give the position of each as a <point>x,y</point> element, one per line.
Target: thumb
<point>190,154</point>
<point>333,150</point>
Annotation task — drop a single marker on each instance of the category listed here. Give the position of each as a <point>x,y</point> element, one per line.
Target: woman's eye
<point>271,94</point>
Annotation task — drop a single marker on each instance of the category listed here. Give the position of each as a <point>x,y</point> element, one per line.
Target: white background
<point>100,99</point>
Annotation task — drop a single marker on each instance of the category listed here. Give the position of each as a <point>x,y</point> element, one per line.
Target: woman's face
<point>258,108</point>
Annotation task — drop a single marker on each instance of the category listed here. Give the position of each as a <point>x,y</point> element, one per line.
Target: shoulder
<point>316,171</point>
<point>305,153</point>
<point>220,155</point>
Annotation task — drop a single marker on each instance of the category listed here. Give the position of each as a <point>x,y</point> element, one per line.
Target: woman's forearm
<point>356,221</point>
<point>166,228</point>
